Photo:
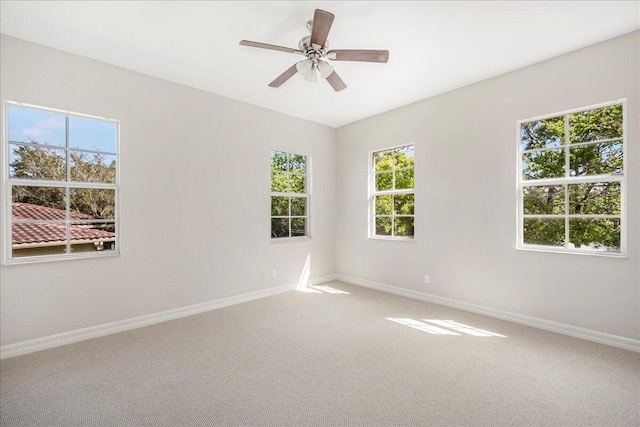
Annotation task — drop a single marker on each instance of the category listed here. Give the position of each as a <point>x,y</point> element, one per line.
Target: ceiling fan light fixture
<point>304,67</point>
<point>325,69</point>
<point>312,75</point>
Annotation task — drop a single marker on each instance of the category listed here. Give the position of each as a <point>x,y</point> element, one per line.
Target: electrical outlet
<point>274,273</point>
<point>427,279</point>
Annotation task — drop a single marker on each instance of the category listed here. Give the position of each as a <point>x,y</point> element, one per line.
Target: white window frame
<point>567,180</point>
<point>373,193</point>
<point>306,195</point>
<point>8,183</point>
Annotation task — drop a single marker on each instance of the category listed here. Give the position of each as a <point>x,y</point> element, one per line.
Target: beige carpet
<point>329,357</point>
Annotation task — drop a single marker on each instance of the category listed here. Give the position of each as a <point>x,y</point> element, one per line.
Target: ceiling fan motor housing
<point>313,52</point>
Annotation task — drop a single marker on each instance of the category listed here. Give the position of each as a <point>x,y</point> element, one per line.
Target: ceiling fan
<point>316,50</point>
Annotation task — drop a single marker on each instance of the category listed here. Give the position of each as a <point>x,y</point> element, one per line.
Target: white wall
<point>465,145</point>
<point>181,150</point>
<point>195,201</point>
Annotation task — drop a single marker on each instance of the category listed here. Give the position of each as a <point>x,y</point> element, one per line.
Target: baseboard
<point>70,337</point>
<point>323,279</point>
<point>560,328</point>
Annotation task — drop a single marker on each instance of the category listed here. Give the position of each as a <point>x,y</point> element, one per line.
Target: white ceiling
<point>434,46</point>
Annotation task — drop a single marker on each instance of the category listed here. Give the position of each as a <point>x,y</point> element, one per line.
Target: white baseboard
<point>323,279</point>
<point>560,328</point>
<point>70,337</point>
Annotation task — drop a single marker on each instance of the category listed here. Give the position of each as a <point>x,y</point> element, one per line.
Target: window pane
<point>279,206</point>
<point>89,167</point>
<point>97,246</point>
<point>279,161</point>
<point>383,205</point>
<point>604,158</point>
<point>38,203</point>
<point>404,179</point>
<point>91,134</point>
<point>599,198</point>
<point>39,149</point>
<point>298,183</point>
<point>403,157</point>
<point>38,239</point>
<point>288,175</point>
<point>279,182</point>
<point>93,237</point>
<point>403,226</point>
<point>298,227</point>
<point>298,206</point>
<point>595,233</point>
<point>43,127</point>
<point>598,124</point>
<point>92,203</point>
<point>403,204</point>
<point>279,227</point>
<point>543,200</point>
<point>384,181</point>
<point>543,164</point>
<point>383,226</point>
<point>544,231</point>
<point>34,162</point>
<point>545,133</point>
<point>383,160</point>
<point>99,226</point>
<point>298,163</point>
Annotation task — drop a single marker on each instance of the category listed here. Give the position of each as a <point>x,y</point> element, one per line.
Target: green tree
<point>594,148</point>
<point>288,176</point>
<point>35,162</point>
<point>98,203</point>
<point>38,163</point>
<point>394,170</point>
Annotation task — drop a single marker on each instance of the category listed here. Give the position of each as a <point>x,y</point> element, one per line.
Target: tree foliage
<point>288,210</point>
<point>394,170</point>
<point>594,148</point>
<point>35,162</point>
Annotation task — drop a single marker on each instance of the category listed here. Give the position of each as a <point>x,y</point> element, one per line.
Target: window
<point>392,193</point>
<point>572,181</point>
<point>289,195</point>
<point>62,185</point>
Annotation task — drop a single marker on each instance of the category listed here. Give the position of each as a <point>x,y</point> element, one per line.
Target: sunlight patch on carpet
<point>443,327</point>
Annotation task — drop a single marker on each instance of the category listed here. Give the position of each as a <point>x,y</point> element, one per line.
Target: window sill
<point>291,239</point>
<point>393,239</point>
<point>553,250</point>
<point>42,259</point>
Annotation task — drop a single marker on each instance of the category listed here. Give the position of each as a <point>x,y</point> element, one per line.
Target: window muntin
<point>62,185</point>
<point>289,195</point>
<point>571,181</point>
<point>392,193</point>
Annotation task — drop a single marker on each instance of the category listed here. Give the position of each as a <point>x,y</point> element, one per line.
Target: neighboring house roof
<point>27,211</point>
<point>54,233</point>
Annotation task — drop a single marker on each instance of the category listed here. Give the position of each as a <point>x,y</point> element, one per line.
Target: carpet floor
<point>335,355</point>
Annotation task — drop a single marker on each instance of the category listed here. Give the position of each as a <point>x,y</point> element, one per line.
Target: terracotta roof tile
<point>26,233</point>
<point>30,211</point>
